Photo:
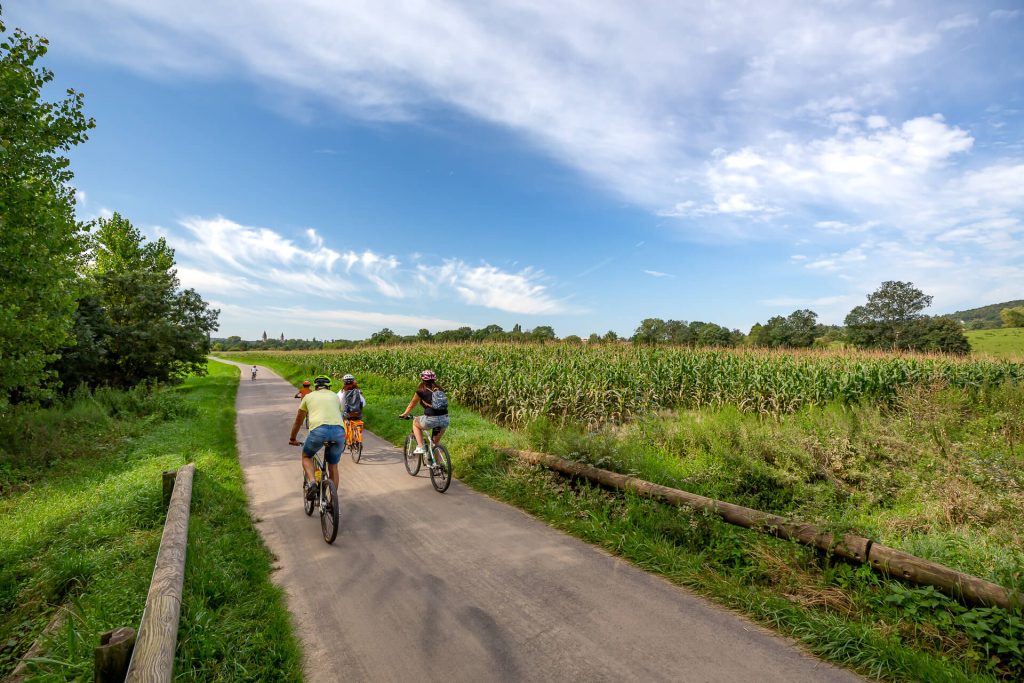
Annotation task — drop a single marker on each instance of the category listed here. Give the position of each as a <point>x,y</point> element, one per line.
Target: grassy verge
<point>80,524</point>
<point>941,476</point>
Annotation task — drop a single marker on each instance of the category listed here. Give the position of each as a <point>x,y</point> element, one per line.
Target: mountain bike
<point>354,439</point>
<point>435,458</point>
<point>326,495</point>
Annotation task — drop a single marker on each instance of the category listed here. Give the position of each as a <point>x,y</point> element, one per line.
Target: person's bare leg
<point>440,433</point>
<point>307,468</point>
<point>417,432</point>
<point>332,471</point>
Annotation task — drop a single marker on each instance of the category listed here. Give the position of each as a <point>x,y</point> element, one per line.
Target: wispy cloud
<point>486,285</point>
<point>658,273</point>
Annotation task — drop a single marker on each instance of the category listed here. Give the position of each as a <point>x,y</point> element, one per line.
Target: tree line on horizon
<point>892,319</point>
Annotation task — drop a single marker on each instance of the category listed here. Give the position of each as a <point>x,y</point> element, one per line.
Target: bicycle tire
<point>357,451</point>
<point>307,503</point>
<point>441,472</point>
<point>412,460</point>
<point>329,510</point>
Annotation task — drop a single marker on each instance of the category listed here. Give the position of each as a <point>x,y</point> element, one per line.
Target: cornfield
<point>597,384</point>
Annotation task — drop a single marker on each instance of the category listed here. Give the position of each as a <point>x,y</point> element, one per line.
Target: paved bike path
<point>459,587</point>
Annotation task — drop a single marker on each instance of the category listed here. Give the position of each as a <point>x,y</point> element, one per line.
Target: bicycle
<point>326,497</point>
<point>435,458</point>
<point>354,439</point>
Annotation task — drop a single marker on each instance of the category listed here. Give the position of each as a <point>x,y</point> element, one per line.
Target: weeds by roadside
<point>80,524</point>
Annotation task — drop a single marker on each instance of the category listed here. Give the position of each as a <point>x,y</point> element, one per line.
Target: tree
<point>610,336</point>
<point>542,333</point>
<point>797,330</point>
<point>423,334</point>
<point>594,338</point>
<point>40,240</point>
<point>573,339</point>
<point>892,319</point>
<point>384,336</point>
<point>134,324</point>
<point>651,331</point>
<point>886,318</point>
<point>1012,317</point>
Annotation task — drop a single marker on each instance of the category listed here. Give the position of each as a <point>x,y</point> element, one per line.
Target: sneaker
<point>419,450</point>
<point>310,490</point>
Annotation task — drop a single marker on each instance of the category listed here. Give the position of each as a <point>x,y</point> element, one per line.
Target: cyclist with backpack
<point>325,424</point>
<point>435,409</point>
<point>351,400</point>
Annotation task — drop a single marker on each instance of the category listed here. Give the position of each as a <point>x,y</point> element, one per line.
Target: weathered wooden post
<point>112,656</point>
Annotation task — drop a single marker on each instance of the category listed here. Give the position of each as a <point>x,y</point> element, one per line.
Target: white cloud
<point>652,81</point>
<point>486,285</point>
<point>957,22</point>
<point>362,321</point>
<point>658,273</point>
<point>1005,14</point>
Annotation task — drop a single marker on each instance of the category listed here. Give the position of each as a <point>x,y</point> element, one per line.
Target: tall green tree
<point>135,324</point>
<point>40,239</point>
<point>885,320</point>
<point>892,319</point>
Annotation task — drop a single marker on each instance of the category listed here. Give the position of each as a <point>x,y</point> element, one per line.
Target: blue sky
<point>331,168</point>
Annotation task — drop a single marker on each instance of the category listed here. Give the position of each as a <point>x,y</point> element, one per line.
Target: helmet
<point>322,381</point>
<point>428,375</point>
<point>305,382</point>
<point>348,379</point>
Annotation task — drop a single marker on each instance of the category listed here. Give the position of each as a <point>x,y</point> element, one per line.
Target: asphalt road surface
<point>421,586</point>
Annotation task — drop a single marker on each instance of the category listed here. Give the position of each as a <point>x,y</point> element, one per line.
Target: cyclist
<point>304,390</point>
<point>432,418</point>
<point>351,400</point>
<point>254,372</point>
<point>321,406</point>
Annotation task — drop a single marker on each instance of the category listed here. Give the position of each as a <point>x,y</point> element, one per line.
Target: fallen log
<point>889,561</point>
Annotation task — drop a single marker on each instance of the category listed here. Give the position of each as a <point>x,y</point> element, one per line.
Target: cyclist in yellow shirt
<point>325,424</point>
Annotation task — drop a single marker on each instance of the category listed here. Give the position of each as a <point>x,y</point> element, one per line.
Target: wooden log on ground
<point>111,658</point>
<point>892,562</point>
<point>966,587</point>
<point>153,658</point>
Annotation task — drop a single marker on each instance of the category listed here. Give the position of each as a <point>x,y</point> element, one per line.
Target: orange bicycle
<point>354,439</point>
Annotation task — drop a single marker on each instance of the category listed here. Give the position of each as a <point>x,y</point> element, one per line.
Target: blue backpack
<point>438,401</point>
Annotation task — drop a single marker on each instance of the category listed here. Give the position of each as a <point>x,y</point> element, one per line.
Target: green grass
<point>80,525</point>
<point>940,476</point>
<point>1005,343</point>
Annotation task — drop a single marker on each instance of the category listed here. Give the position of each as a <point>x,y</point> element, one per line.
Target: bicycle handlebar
<point>405,417</point>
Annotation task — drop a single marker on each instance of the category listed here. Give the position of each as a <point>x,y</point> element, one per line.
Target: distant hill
<point>984,318</point>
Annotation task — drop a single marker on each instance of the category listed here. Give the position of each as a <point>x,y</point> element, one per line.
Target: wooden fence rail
<point>152,659</point>
<point>895,563</point>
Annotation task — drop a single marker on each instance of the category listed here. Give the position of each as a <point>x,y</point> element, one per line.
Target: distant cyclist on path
<point>253,373</point>
<point>428,393</point>
<point>325,424</point>
<point>304,390</point>
<point>351,400</point>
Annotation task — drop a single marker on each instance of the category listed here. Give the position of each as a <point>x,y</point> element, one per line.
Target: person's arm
<point>299,418</point>
<point>412,404</point>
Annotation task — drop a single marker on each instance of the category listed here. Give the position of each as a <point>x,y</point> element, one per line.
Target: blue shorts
<point>315,439</point>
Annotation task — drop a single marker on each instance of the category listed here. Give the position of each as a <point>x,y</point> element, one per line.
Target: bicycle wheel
<point>307,502</point>
<point>357,451</point>
<point>441,470</point>
<point>329,510</point>
<point>412,460</point>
